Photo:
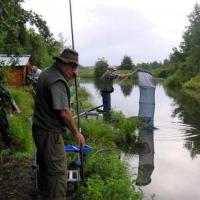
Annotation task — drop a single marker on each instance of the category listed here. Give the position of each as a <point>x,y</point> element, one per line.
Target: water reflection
<point>176,142</point>
<point>126,89</point>
<point>97,83</point>
<point>188,110</point>
<point>146,156</point>
<point>126,86</point>
<point>146,114</point>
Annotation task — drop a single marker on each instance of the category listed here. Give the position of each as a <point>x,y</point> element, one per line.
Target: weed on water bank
<point>108,176</point>
<point>20,125</point>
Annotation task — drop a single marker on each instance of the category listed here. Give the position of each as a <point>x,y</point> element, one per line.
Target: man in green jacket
<point>107,86</point>
<point>51,117</point>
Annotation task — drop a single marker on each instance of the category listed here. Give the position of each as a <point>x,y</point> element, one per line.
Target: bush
<point>100,67</point>
<point>176,80</point>
<point>165,71</point>
<point>20,124</point>
<point>108,175</point>
<point>23,99</point>
<point>126,63</point>
<point>193,84</point>
<point>4,74</point>
<point>20,131</point>
<point>98,133</point>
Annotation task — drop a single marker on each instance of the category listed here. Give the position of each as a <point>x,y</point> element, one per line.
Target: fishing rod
<point>76,90</point>
<point>75,80</point>
<point>85,112</point>
<point>128,76</point>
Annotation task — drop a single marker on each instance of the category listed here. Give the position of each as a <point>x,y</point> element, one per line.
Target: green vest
<point>106,83</point>
<point>44,115</point>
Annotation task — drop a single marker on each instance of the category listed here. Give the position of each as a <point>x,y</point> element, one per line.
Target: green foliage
<point>20,124</point>
<point>108,175</point>
<point>187,55</point>
<point>83,97</point>
<point>174,81</point>
<point>165,71</point>
<point>85,72</point>
<point>4,74</point>
<point>193,83</point>
<point>98,133</point>
<point>126,63</point>
<point>151,65</point>
<point>125,131</point>
<point>192,87</point>
<point>4,153</point>
<point>39,50</point>
<point>100,67</point>
<point>110,189</point>
<point>23,99</point>
<point>20,131</point>
<point>16,39</point>
<point>126,87</point>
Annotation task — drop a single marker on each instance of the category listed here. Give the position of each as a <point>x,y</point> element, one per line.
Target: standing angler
<point>51,117</point>
<point>107,86</point>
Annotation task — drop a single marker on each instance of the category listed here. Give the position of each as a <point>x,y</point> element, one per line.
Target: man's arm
<point>66,117</point>
<point>124,75</point>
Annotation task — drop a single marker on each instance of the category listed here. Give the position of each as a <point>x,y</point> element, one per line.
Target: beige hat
<point>112,68</point>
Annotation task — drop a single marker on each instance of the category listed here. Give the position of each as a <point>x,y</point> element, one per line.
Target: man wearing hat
<point>51,117</point>
<point>107,86</point>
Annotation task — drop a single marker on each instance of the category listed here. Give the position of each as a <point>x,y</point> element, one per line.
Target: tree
<point>190,46</point>
<point>100,67</point>
<point>126,63</point>
<point>16,39</point>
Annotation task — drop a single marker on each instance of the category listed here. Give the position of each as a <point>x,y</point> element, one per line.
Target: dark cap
<point>68,56</point>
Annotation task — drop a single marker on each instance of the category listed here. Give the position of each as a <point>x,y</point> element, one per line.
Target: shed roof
<point>12,60</point>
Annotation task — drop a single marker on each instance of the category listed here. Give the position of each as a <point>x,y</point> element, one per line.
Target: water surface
<point>175,143</point>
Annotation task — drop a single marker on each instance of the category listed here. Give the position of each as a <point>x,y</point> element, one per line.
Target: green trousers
<point>51,159</point>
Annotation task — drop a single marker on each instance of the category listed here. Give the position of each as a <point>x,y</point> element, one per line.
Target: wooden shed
<point>19,67</point>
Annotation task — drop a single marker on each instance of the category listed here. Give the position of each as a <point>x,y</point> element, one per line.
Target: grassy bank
<point>192,87</point>
<point>20,125</point>
<point>86,72</point>
<point>107,176</point>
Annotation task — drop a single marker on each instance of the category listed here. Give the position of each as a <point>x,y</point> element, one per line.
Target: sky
<point>145,30</point>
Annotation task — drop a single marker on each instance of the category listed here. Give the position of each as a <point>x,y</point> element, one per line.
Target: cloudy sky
<point>145,30</point>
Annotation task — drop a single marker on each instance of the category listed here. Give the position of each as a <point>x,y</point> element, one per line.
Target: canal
<point>171,157</point>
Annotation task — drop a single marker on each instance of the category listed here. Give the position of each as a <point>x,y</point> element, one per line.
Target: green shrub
<point>20,131</point>
<point>23,99</point>
<point>165,71</point>
<point>108,175</point>
<point>193,84</point>
<point>4,74</point>
<point>20,124</point>
<point>100,67</point>
<point>86,72</point>
<point>174,81</point>
<point>110,180</point>
<point>98,133</point>
<point>112,188</point>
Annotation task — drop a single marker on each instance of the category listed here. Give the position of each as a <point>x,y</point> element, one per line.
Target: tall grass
<point>20,124</point>
<point>108,175</point>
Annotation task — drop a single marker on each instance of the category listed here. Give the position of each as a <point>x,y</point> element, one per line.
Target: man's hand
<point>80,139</point>
<point>66,117</point>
